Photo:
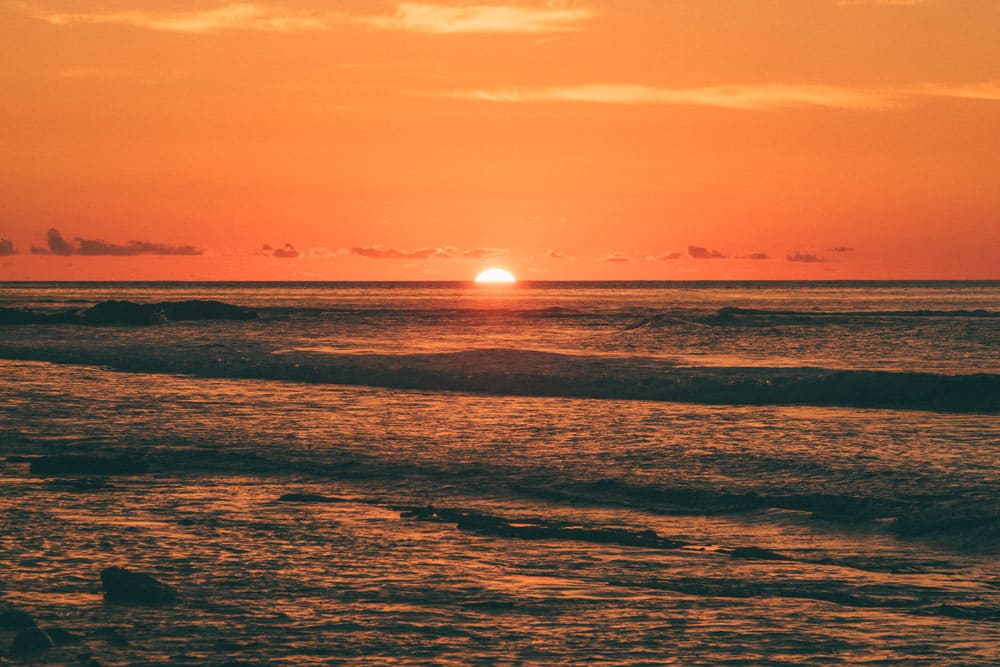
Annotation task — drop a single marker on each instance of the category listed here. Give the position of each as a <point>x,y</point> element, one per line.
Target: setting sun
<point>495,276</point>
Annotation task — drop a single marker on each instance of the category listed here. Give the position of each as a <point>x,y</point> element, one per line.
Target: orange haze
<point>615,139</point>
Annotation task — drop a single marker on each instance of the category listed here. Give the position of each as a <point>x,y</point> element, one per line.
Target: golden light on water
<point>495,276</point>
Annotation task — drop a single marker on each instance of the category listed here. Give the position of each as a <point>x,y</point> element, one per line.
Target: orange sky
<point>614,139</point>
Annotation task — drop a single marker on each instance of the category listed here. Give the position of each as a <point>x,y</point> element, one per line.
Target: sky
<point>568,139</point>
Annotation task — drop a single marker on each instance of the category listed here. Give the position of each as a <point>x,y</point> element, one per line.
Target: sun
<point>495,276</point>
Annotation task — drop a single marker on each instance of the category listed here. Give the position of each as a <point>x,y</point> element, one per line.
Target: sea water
<point>818,463</point>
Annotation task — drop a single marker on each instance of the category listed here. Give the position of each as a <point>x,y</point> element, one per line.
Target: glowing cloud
<point>767,96</point>
<point>409,16</point>
<point>418,17</point>
<point>881,3</point>
<point>743,97</point>
<point>236,16</point>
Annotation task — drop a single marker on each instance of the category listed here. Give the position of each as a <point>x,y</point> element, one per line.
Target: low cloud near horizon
<point>805,257</point>
<point>287,251</point>
<point>379,251</point>
<point>57,245</point>
<point>698,252</point>
<point>7,248</point>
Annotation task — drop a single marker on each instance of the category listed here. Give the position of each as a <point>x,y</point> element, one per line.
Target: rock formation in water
<point>131,313</point>
<point>123,585</point>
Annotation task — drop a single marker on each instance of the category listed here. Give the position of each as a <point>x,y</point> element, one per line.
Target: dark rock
<point>113,635</point>
<point>309,498</point>
<point>81,485</point>
<point>124,312</point>
<point>61,637</point>
<point>30,641</point>
<point>80,464</point>
<point>15,619</point>
<point>180,311</point>
<point>756,553</point>
<point>537,529</point>
<point>126,586</point>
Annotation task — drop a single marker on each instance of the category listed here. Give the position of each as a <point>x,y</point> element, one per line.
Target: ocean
<point>546,473</point>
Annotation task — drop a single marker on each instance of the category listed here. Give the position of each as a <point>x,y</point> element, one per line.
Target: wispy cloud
<point>743,97</point>
<point>616,258</point>
<point>379,251</point>
<point>430,18</point>
<point>7,248</point>
<point>986,90</point>
<point>234,16</point>
<point>881,3</point>
<point>754,256</point>
<point>484,253</point>
<point>767,96</point>
<point>408,16</point>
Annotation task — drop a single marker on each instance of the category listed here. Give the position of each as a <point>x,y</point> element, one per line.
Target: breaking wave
<point>533,373</point>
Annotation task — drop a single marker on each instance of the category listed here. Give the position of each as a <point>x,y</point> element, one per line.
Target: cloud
<point>616,258</point>
<point>556,254</point>
<point>408,16</point>
<point>287,251</point>
<point>233,16</point>
<point>881,3</point>
<point>697,252</point>
<point>379,251</point>
<point>382,252</point>
<point>7,248</point>
<point>746,97</point>
<point>841,248</point>
<point>808,258</point>
<point>754,255</point>
<point>324,253</point>
<point>57,245</point>
<point>987,91</point>
<point>430,18</point>
<point>96,247</point>
<point>484,253</point>
<point>667,256</point>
